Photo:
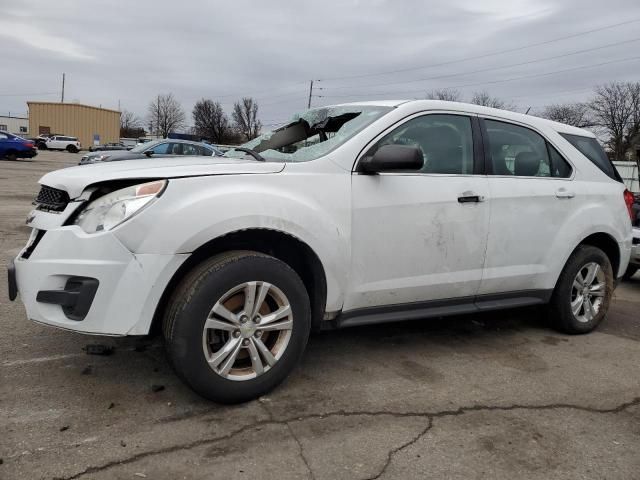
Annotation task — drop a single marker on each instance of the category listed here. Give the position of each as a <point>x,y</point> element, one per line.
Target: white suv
<point>349,215</point>
<point>61,142</point>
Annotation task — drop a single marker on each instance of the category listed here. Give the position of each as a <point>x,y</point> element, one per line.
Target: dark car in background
<point>13,147</point>
<point>109,147</point>
<point>161,148</point>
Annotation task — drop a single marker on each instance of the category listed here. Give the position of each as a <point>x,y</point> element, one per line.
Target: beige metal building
<point>85,122</point>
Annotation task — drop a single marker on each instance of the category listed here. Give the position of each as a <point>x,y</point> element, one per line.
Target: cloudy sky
<point>529,52</point>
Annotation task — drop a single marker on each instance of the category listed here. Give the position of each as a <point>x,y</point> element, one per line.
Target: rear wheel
<point>630,272</point>
<point>237,325</point>
<point>582,296</point>
<point>72,149</point>
<point>11,155</point>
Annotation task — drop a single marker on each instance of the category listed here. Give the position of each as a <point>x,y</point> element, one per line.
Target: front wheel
<point>237,325</point>
<point>583,293</point>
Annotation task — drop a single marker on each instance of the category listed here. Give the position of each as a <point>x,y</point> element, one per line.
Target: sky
<point>120,54</point>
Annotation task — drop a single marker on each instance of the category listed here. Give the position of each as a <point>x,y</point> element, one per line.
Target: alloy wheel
<point>247,331</point>
<point>587,292</point>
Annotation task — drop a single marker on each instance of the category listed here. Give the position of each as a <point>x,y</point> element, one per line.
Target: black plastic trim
<point>479,162</point>
<point>442,308</point>
<point>75,299</point>
<point>12,283</point>
<point>486,149</point>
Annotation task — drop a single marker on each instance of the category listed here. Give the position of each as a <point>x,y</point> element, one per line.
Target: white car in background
<point>349,215</point>
<point>63,142</point>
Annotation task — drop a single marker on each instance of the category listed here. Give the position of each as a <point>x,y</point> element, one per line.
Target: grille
<point>52,199</point>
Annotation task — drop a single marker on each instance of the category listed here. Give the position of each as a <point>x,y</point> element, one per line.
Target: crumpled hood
<point>75,179</point>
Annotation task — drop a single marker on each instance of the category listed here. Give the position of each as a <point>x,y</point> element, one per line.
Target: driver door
<point>420,236</point>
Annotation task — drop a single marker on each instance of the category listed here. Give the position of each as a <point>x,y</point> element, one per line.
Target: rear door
<point>531,196</point>
<point>421,236</point>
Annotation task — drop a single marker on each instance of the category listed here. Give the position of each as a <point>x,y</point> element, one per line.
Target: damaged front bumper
<point>90,283</point>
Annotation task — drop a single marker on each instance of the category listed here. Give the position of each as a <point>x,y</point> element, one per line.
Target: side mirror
<point>148,153</point>
<point>389,158</point>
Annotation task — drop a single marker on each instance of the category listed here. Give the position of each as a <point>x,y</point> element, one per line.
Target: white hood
<point>75,179</point>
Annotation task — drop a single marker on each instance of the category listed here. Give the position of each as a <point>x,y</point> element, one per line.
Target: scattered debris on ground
<point>88,370</point>
<point>99,349</point>
<point>157,388</point>
<point>64,428</point>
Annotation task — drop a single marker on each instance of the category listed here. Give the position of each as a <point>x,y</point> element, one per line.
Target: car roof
<point>417,105</point>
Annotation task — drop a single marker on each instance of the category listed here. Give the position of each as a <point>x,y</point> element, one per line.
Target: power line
<point>491,82</point>
<point>488,69</point>
<point>277,89</point>
<point>27,94</point>
<point>485,55</point>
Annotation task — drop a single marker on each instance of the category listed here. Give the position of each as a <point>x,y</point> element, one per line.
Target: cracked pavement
<point>493,396</point>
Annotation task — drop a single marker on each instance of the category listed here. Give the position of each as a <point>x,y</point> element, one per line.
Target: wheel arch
<point>604,242</point>
<point>283,246</point>
<point>608,245</point>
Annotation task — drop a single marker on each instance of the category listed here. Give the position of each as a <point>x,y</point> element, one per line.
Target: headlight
<point>109,211</point>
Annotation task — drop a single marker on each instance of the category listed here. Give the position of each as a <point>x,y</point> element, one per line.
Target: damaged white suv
<point>348,215</point>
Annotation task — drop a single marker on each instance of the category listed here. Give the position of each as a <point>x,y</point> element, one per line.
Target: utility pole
<point>310,94</point>
<point>62,99</point>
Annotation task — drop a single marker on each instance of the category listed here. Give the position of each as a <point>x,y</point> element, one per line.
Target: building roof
<point>74,105</point>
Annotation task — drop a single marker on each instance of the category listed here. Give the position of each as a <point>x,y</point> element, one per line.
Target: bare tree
<point>449,94</point>
<point>245,118</point>
<point>130,124</point>
<point>614,108</point>
<point>165,115</point>
<point>576,114</point>
<point>210,121</point>
<point>485,99</point>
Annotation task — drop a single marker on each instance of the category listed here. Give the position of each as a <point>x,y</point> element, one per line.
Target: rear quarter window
<point>590,148</point>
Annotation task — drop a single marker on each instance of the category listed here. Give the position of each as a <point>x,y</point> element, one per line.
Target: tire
<point>11,155</point>
<point>42,146</point>
<point>630,272</point>
<point>190,346</point>
<point>566,294</point>
<point>71,149</point>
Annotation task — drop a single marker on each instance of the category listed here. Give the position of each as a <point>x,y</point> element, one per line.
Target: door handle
<point>564,193</point>
<point>470,197</point>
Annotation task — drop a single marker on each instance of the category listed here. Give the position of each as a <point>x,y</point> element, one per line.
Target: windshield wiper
<point>253,153</point>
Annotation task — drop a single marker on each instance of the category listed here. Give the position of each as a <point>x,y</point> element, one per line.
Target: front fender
<point>195,211</point>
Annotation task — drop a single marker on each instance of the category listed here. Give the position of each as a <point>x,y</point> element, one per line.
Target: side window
<point>3,136</point>
<point>189,149</point>
<point>161,149</point>
<point>446,141</point>
<point>521,152</point>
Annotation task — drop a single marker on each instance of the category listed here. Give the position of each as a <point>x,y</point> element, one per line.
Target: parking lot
<point>497,395</point>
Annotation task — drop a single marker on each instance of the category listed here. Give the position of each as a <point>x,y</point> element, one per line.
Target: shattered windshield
<point>314,133</point>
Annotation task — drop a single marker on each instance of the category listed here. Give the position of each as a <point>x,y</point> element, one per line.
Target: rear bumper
<point>92,283</point>
<point>32,152</point>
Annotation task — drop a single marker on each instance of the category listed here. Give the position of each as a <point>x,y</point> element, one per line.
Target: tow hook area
<point>75,299</point>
